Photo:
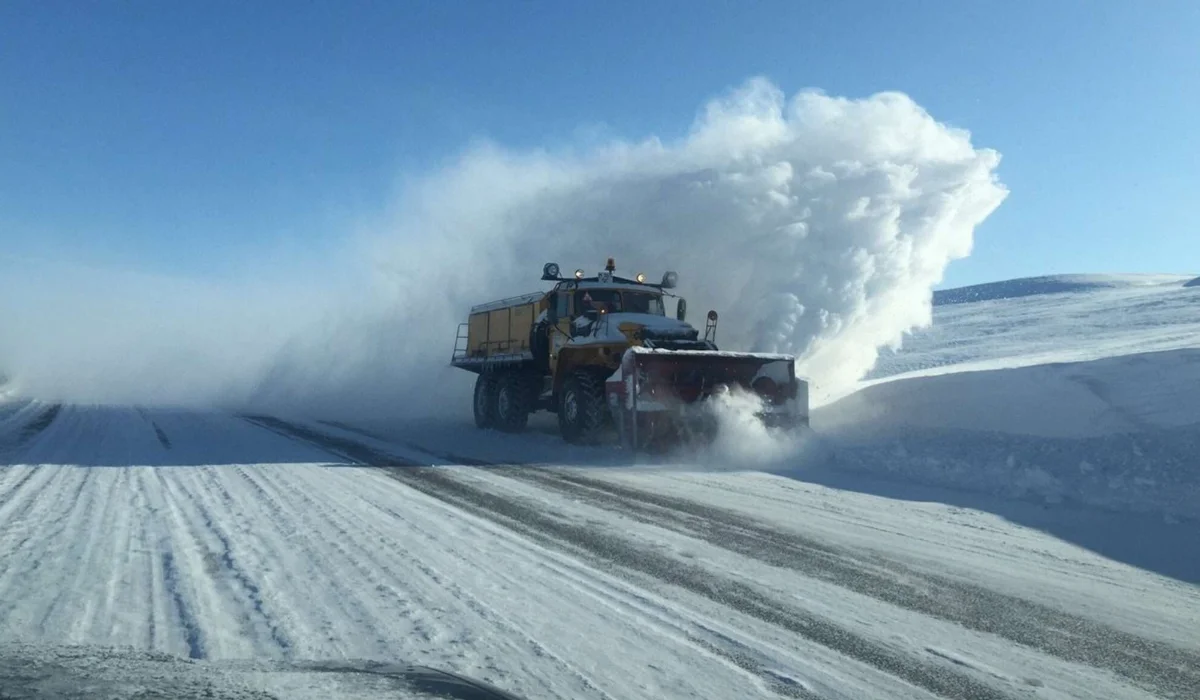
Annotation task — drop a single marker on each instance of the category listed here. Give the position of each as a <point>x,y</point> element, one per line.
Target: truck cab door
<point>561,331</point>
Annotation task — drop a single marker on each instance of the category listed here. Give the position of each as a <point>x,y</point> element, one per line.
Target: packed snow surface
<point>218,538</point>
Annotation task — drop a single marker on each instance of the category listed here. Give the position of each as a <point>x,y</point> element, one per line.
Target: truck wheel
<point>485,401</point>
<point>581,408</point>
<point>514,402</point>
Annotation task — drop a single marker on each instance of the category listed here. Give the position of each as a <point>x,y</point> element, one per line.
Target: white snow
<point>1090,396</point>
<point>272,549</point>
<point>215,539</point>
<point>1052,284</point>
<point>1123,394</point>
<point>607,328</point>
<point>1076,326</point>
<point>773,357</point>
<point>296,561</point>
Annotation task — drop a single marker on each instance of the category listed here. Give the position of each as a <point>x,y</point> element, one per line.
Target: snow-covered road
<point>214,537</point>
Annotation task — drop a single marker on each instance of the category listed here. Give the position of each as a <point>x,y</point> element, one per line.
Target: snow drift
<point>816,225</point>
<point>1089,397</point>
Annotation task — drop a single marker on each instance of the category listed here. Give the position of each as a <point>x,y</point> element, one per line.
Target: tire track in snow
<point>1151,664</point>
<point>62,581</point>
<point>1155,665</point>
<point>183,610</point>
<point>312,525</point>
<point>247,591</point>
<point>486,613</point>
<point>616,594</point>
<point>14,504</point>
<point>26,558</point>
<point>632,602</point>
<point>19,560</point>
<point>604,550</point>
<point>350,522</point>
<point>124,552</point>
<point>11,493</point>
<point>736,658</point>
<point>188,621</point>
<point>90,513</point>
<point>728,650</point>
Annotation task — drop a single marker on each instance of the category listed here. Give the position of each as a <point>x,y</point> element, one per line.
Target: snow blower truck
<point>601,352</point>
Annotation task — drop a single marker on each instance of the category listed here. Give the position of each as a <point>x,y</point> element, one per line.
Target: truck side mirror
<point>681,310</point>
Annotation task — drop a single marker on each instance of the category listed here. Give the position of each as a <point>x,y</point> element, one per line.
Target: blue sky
<point>186,137</point>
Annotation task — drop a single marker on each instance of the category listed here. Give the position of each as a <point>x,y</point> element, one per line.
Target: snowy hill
<point>1115,315</point>
<point>1090,396</point>
<point>1053,284</point>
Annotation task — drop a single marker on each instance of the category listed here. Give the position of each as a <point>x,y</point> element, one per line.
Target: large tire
<point>514,402</point>
<point>485,401</point>
<point>582,412</point>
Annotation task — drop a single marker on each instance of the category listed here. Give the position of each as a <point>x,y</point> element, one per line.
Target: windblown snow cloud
<point>815,225</point>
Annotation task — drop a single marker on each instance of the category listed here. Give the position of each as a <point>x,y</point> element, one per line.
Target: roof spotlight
<point>641,277</point>
<point>550,271</point>
<point>670,279</point>
<point>579,274</point>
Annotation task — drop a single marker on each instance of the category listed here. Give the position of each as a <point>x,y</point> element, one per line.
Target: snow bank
<point>1122,432</point>
<point>1101,322</point>
<point>1152,472</point>
<point>1123,394</point>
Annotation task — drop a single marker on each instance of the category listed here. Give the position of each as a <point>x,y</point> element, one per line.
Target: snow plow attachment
<point>658,397</point>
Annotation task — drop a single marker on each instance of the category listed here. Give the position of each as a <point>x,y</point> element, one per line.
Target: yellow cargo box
<point>501,328</point>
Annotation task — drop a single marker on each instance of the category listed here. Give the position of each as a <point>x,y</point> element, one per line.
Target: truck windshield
<point>608,300</point>
<point>639,303</point>
<point>616,301</point>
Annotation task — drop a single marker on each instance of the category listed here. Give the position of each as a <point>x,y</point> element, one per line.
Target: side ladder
<point>460,344</point>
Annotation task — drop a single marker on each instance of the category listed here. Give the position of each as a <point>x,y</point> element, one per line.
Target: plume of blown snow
<point>103,334</point>
<point>741,440</point>
<point>815,225</point>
